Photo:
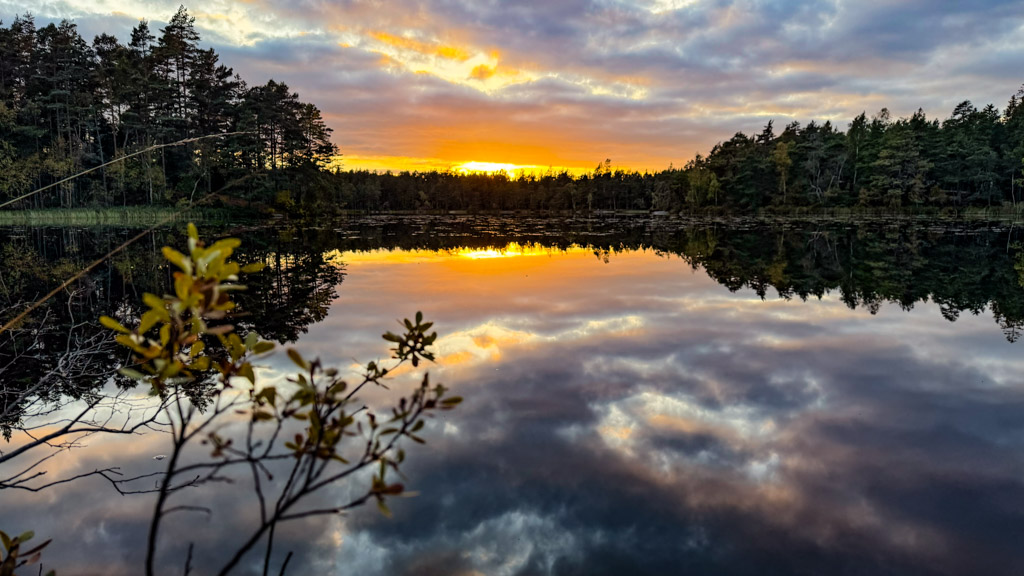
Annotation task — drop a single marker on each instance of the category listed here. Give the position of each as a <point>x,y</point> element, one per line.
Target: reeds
<point>127,216</point>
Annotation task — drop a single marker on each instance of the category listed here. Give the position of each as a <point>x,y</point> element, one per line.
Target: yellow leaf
<point>263,347</point>
<point>227,245</point>
<point>153,301</point>
<point>149,319</point>
<point>178,259</point>
<point>112,324</point>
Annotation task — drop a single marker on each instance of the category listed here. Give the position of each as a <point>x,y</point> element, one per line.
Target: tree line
<point>971,159</point>
<point>67,106</point>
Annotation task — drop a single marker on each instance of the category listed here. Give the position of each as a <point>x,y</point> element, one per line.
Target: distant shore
<point>148,216</point>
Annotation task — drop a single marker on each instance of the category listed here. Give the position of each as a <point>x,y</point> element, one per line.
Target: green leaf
<point>269,394</point>
<point>260,416</point>
<point>26,536</point>
<point>298,359</point>
<point>263,347</point>
<point>245,371</point>
<point>5,539</point>
<point>253,268</point>
<point>133,374</point>
<point>338,387</point>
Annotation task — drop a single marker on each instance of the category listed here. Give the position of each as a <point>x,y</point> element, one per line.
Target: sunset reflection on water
<point>624,411</point>
<point>650,417</point>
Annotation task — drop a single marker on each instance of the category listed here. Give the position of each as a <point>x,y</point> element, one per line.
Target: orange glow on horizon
<point>508,251</point>
<point>398,164</point>
<point>512,250</point>
<point>493,167</point>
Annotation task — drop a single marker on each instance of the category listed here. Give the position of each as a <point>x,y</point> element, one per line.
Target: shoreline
<point>148,216</point>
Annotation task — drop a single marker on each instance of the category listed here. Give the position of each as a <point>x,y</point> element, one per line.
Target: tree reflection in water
<point>962,267</point>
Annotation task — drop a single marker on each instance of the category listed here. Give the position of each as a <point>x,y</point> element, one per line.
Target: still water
<point>641,397</point>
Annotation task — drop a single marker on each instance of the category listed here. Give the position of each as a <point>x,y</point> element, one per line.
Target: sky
<point>569,83</point>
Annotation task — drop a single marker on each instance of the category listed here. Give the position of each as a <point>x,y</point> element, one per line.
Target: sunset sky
<point>568,83</point>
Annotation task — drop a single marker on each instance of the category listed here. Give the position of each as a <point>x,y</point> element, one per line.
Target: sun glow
<point>396,164</point>
<point>510,250</point>
<point>480,254</point>
<point>493,168</point>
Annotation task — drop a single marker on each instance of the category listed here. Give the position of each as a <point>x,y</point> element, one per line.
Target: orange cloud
<point>482,72</point>
<point>382,163</point>
<point>424,48</point>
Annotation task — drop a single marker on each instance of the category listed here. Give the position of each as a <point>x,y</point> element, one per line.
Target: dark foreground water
<point>641,398</point>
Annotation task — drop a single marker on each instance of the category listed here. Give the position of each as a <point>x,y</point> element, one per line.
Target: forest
<point>67,106</point>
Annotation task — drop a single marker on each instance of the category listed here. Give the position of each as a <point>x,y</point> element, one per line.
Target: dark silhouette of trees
<point>67,105</point>
<point>60,352</point>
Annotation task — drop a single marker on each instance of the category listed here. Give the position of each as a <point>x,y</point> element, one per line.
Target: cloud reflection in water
<point>636,417</point>
<point>644,419</point>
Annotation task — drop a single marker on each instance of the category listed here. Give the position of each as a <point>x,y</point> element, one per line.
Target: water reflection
<point>646,420</point>
<point>636,406</point>
<point>60,351</point>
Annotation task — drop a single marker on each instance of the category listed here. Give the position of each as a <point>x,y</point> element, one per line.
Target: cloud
<point>423,48</point>
<point>482,72</point>
<point>573,82</point>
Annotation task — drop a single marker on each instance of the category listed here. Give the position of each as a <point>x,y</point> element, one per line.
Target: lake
<point>643,396</point>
